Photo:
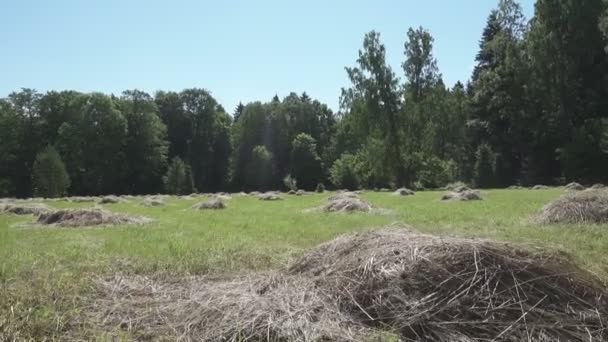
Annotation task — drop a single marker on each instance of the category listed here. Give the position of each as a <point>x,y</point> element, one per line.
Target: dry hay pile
<point>111,199</point>
<point>81,199</point>
<point>466,195</point>
<point>417,287</point>
<point>347,205</point>
<point>574,187</point>
<point>152,202</point>
<point>540,187</point>
<point>88,218</point>
<point>346,202</point>
<point>269,196</point>
<point>404,192</point>
<point>222,196</point>
<point>213,203</point>
<point>515,187</point>
<point>584,207</point>
<point>24,209</point>
<point>300,192</point>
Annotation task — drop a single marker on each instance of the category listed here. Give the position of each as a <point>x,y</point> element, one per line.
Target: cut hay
<point>583,207</point>
<point>111,199</point>
<point>540,187</point>
<point>574,187</point>
<point>516,187</point>
<point>81,199</point>
<point>597,186</point>
<point>300,192</point>
<point>468,195</point>
<point>222,196</point>
<point>347,205</point>
<point>89,218</point>
<point>152,202</point>
<point>269,196</point>
<point>213,203</point>
<point>403,192</point>
<point>291,192</point>
<point>24,209</point>
<point>343,195</point>
<point>412,286</point>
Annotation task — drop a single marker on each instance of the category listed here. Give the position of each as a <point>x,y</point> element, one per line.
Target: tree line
<point>534,111</point>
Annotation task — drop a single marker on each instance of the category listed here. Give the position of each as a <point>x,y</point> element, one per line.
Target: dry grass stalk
<point>88,218</point>
<point>419,287</point>
<point>583,207</point>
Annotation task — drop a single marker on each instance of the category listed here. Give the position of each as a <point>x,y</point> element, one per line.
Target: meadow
<point>47,273</point>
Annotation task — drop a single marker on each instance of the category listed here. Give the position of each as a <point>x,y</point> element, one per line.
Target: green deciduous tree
<point>50,178</point>
<point>178,180</point>
<point>306,164</point>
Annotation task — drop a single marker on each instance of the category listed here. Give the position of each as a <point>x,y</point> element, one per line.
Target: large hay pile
<point>88,218</point>
<point>347,205</point>
<point>465,195</point>
<point>417,287</point>
<point>213,203</point>
<point>24,209</point>
<point>583,207</point>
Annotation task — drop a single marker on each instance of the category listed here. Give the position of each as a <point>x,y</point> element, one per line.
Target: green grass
<point>45,271</point>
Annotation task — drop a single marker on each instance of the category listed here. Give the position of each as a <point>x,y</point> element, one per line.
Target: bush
<point>320,188</point>
<point>178,180</point>
<point>484,167</point>
<point>290,183</point>
<point>436,172</point>
<point>50,178</point>
<point>343,173</point>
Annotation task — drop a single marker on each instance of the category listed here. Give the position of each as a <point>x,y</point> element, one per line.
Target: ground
<point>45,272</point>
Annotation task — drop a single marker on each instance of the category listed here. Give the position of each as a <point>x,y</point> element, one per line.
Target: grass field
<point>45,272</point>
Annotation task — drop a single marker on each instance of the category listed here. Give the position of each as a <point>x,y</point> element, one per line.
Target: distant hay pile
<point>17,208</point>
<point>111,199</point>
<point>89,218</point>
<point>540,187</point>
<point>214,203</point>
<point>416,287</point>
<point>583,207</point>
<point>404,192</point>
<point>152,202</point>
<point>269,196</point>
<point>81,199</point>
<point>574,187</point>
<point>463,195</point>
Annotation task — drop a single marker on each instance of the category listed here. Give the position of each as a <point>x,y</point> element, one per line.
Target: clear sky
<point>239,50</point>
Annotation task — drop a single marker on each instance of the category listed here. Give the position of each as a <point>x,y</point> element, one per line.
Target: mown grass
<point>44,272</point>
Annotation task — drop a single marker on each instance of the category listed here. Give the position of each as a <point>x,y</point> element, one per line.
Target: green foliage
<point>178,180</point>
<point>320,188</point>
<point>435,173</point>
<point>343,173</point>
<point>290,183</point>
<point>306,164</point>
<point>50,178</point>
<point>260,172</point>
<point>484,167</point>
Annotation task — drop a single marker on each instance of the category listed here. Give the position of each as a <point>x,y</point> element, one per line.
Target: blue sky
<point>239,50</point>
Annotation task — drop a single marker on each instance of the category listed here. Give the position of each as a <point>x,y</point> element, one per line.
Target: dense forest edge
<point>534,111</point>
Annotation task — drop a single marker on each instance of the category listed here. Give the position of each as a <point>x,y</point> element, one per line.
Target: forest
<point>534,111</point>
